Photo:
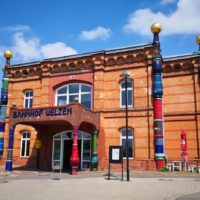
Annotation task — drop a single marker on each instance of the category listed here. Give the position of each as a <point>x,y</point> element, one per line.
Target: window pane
<point>124,147</point>
<point>79,135</point>
<point>30,93</point>
<point>26,103</point>
<point>57,146</point>
<point>130,147</point>
<point>130,132</point>
<point>73,98</point>
<point>86,100</point>
<point>62,101</point>
<point>123,98</point>
<point>73,88</point>
<point>129,84</point>
<point>23,149</point>
<point>27,94</point>
<point>130,97</point>
<point>62,90</point>
<point>86,149</point>
<point>85,88</point>
<point>30,103</point>
<point>57,136</point>
<point>27,147</point>
<point>27,135</point>
<point>123,85</point>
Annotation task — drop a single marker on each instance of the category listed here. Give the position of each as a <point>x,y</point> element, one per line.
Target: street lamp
<point>125,76</point>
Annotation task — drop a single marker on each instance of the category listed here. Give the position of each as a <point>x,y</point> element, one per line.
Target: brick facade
<point>181,102</point>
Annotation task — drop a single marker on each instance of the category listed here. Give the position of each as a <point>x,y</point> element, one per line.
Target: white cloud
<point>99,32</point>
<point>184,20</point>
<point>164,2</point>
<point>26,49</point>
<point>56,49</point>
<point>18,27</point>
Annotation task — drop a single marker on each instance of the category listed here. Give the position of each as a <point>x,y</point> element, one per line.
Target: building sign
<point>42,112</point>
<point>115,154</point>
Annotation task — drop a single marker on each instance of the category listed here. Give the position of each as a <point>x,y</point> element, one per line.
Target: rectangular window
<point>25,144</point>
<point>129,94</point>
<point>28,99</point>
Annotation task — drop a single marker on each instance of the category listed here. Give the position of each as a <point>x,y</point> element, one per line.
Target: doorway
<point>62,150</point>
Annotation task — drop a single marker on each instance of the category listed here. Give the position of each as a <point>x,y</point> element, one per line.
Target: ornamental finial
<point>198,39</point>
<point>8,54</point>
<point>156,28</point>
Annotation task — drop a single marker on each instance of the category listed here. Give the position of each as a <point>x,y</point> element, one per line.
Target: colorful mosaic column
<point>74,160</point>
<point>157,99</point>
<point>10,149</point>
<point>4,101</point>
<point>95,159</point>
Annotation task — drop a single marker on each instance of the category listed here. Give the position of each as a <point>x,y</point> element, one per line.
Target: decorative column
<point>38,146</point>
<point>157,99</point>
<point>10,149</point>
<point>95,159</point>
<point>4,101</point>
<point>74,160</point>
<point>197,126</point>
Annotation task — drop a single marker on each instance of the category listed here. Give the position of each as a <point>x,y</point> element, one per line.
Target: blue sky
<point>38,29</point>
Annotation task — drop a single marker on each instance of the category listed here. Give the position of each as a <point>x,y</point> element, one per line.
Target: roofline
<point>181,57</point>
<point>107,51</point>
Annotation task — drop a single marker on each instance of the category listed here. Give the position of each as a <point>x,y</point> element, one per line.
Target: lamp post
<point>126,75</point>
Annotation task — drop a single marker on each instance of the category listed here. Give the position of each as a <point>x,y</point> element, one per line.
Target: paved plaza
<point>33,185</point>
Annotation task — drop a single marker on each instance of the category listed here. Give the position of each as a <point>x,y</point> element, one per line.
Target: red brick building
<point>52,99</point>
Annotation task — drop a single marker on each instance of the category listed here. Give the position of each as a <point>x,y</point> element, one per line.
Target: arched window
<point>130,142</point>
<point>129,93</point>
<point>28,99</point>
<point>25,144</point>
<point>75,92</point>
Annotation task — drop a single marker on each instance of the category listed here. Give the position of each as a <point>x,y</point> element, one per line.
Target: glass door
<point>86,154</point>
<point>62,149</point>
<point>57,162</point>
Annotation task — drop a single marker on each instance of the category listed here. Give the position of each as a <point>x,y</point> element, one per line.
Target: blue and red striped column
<point>4,101</point>
<point>157,99</point>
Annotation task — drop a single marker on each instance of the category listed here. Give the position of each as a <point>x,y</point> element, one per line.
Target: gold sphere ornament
<point>198,39</point>
<point>8,54</point>
<point>156,28</point>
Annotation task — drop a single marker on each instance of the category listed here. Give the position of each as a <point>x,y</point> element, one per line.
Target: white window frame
<point>67,94</point>
<point>128,89</point>
<point>29,98</point>
<point>129,137</point>
<point>26,142</point>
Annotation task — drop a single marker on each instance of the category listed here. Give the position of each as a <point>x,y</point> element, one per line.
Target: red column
<point>74,160</point>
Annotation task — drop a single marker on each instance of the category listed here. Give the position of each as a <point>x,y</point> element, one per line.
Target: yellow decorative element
<point>156,28</point>
<point>8,54</point>
<point>198,39</point>
<point>38,144</point>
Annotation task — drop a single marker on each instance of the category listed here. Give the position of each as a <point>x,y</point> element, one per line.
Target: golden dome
<point>198,39</point>
<point>8,54</point>
<point>156,28</point>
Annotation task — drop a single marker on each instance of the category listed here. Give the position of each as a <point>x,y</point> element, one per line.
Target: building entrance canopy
<point>74,113</point>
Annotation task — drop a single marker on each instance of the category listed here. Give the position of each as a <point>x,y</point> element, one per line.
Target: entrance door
<point>62,149</point>
<point>67,152</point>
